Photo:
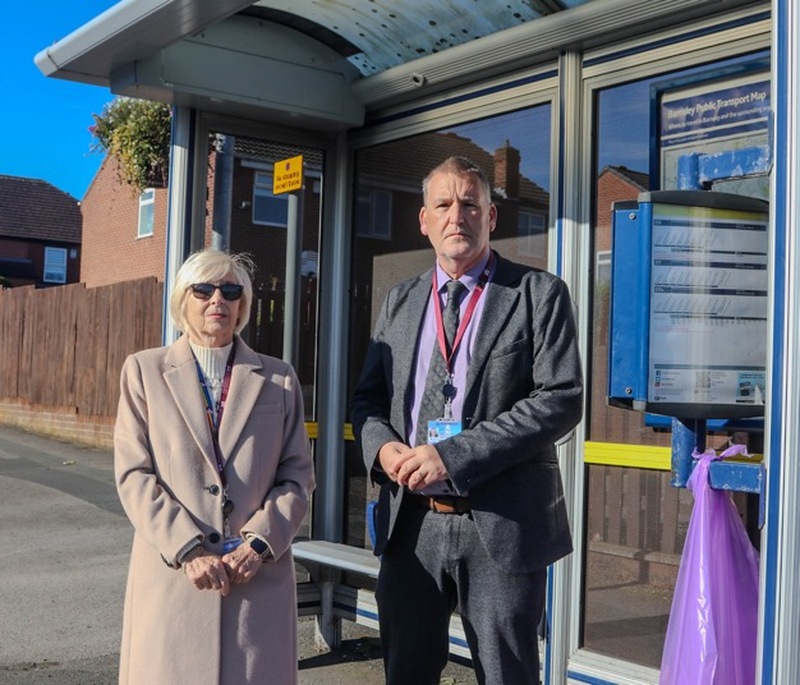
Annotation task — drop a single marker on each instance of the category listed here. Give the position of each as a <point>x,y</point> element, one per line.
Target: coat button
<point>214,490</point>
<point>213,538</point>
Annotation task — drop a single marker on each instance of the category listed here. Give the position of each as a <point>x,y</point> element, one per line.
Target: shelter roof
<point>375,36</point>
<point>326,62</point>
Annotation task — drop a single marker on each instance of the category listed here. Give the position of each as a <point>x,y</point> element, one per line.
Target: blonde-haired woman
<point>214,470</point>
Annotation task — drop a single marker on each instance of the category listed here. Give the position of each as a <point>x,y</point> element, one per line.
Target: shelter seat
<point>318,553</point>
<point>330,600</point>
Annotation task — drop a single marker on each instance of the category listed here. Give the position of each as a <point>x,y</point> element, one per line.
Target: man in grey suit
<point>471,376</point>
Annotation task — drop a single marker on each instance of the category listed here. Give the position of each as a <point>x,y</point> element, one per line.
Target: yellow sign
<point>287,175</point>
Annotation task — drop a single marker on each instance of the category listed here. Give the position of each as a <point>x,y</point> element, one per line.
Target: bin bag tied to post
<point>711,635</point>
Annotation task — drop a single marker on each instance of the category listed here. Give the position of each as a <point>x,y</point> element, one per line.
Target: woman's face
<point>211,321</point>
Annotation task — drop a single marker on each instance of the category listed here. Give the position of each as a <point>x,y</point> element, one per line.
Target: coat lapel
<point>246,385</point>
<point>410,318</point>
<point>180,375</point>
<point>500,303</point>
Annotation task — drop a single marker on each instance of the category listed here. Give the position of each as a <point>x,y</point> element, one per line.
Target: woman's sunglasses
<point>204,291</point>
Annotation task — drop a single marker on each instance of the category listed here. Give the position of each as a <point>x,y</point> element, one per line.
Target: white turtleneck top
<point>212,361</point>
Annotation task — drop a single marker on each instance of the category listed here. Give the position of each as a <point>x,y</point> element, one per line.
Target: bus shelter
<point>570,106</point>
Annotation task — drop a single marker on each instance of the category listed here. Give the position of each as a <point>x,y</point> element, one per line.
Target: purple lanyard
<point>226,382</point>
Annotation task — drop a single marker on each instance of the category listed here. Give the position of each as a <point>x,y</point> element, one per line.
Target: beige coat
<point>173,633</point>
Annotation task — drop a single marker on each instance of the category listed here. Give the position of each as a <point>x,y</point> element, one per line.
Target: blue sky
<point>44,120</point>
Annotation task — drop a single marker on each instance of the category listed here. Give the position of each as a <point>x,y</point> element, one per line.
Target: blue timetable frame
<point>727,276</point>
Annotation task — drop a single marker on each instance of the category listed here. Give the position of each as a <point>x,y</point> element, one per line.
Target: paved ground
<point>63,562</point>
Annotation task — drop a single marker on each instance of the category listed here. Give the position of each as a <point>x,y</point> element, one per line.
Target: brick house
<point>40,234</point>
<point>125,234</point>
<point>615,183</point>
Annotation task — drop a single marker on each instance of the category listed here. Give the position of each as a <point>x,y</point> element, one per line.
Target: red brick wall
<point>611,188</point>
<point>61,423</point>
<point>111,250</point>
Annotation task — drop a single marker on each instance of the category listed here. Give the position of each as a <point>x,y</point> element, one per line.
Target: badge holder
<point>230,543</point>
<point>445,427</point>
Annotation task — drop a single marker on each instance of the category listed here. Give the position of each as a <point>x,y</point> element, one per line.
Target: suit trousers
<point>434,564</point>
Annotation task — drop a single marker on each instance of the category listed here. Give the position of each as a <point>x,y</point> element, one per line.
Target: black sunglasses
<point>204,291</point>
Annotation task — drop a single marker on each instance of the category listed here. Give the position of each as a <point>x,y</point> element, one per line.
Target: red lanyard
<point>223,396</point>
<point>462,326</point>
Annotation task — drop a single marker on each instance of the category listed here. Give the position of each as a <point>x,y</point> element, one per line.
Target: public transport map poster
<point>708,290</point>
<point>717,117</point>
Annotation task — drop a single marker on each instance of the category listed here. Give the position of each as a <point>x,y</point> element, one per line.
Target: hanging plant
<point>136,133</point>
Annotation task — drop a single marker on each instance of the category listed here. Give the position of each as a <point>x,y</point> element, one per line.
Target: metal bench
<point>330,600</point>
<point>336,555</point>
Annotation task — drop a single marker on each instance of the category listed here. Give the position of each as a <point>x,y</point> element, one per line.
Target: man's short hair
<point>460,166</point>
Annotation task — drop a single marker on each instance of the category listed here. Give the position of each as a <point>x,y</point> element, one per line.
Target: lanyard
<point>462,326</point>
<point>223,396</point>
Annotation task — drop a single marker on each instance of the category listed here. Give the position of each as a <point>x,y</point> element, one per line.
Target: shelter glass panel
<point>513,150</point>
<point>636,522</point>
<point>240,176</point>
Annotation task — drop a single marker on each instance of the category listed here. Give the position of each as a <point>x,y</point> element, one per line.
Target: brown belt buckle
<point>442,507</point>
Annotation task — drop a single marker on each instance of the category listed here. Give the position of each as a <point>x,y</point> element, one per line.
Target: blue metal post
<point>686,435</point>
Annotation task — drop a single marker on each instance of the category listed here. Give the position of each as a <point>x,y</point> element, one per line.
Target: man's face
<point>457,218</point>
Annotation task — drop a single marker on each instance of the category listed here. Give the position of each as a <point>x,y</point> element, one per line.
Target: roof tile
<point>36,210</point>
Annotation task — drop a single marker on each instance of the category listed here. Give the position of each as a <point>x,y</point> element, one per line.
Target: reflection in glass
<point>240,200</point>
<point>636,521</point>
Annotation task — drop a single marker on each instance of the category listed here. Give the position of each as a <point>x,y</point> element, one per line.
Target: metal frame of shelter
<point>156,49</point>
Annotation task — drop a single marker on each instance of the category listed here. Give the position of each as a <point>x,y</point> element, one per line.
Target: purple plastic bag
<point>712,631</point>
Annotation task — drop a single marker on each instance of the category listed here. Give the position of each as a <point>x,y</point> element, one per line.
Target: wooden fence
<point>65,346</point>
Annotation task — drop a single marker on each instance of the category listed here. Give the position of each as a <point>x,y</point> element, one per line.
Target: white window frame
<point>535,224</point>
<point>262,188</point>
<point>379,213</point>
<point>147,212</point>
<point>55,265</point>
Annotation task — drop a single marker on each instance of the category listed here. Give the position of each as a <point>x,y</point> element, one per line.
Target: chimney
<point>506,170</point>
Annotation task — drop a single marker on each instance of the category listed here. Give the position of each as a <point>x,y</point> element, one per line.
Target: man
<point>471,509</point>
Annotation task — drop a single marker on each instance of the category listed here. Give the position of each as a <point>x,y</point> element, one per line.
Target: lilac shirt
<point>427,340</point>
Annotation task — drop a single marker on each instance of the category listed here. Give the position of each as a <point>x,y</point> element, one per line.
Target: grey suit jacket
<point>524,392</point>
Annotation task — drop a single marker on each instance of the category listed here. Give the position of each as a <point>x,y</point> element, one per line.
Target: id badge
<point>441,429</point>
<point>230,544</point>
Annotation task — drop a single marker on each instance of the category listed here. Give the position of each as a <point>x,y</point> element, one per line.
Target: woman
<point>213,468</point>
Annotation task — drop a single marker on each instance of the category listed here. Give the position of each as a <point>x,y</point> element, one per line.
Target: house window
<point>147,202</point>
<point>268,209</point>
<point>374,214</point>
<point>55,265</point>
<point>531,230</point>
<point>603,269</point>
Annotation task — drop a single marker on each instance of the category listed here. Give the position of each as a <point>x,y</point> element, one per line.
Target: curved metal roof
<point>322,63</point>
<point>375,35</point>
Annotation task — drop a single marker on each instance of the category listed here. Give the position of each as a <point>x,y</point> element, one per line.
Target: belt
<point>443,505</point>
